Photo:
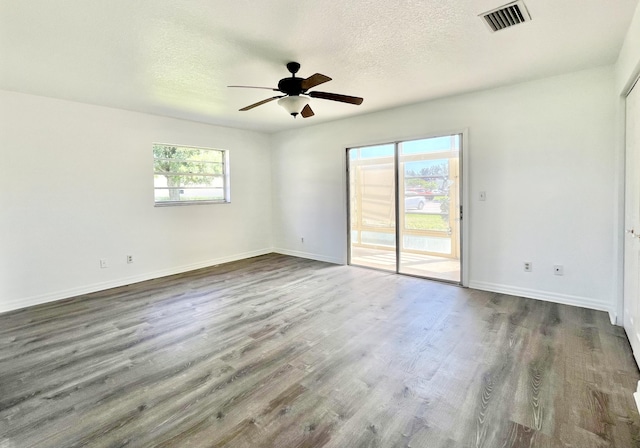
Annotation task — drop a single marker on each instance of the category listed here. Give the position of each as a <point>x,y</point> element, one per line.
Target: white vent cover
<point>506,16</point>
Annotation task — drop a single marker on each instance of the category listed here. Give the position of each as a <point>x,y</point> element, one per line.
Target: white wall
<point>544,152</point>
<point>77,186</point>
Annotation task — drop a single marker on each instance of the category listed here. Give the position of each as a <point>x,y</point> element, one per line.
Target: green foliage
<point>188,165</point>
<point>418,182</point>
<point>431,177</point>
<point>441,169</point>
<point>436,170</point>
<point>444,207</point>
<point>419,221</point>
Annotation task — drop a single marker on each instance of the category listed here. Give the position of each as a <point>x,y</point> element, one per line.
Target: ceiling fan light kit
<point>294,104</point>
<point>296,98</point>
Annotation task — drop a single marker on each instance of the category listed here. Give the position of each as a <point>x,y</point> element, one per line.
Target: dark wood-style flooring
<point>277,351</point>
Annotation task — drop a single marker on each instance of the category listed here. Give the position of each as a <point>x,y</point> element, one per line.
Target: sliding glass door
<point>404,207</point>
<point>372,209</point>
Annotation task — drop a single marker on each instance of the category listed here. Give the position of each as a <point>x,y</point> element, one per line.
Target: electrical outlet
<point>528,266</point>
<point>558,269</point>
<point>483,195</point>
<point>129,259</point>
<point>104,263</point>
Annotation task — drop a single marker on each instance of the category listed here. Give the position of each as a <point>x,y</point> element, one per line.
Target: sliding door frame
<point>463,188</point>
<point>396,180</point>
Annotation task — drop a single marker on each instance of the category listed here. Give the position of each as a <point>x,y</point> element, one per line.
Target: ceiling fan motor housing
<point>291,86</point>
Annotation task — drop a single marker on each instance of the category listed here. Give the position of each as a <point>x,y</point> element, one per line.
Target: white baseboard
<point>485,286</point>
<point>565,299</point>
<point>311,256</point>
<point>636,395</point>
<point>25,302</point>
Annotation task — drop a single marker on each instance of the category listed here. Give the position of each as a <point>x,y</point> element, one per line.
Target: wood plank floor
<point>277,351</point>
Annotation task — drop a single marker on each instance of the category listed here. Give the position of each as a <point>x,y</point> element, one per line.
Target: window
<point>188,175</point>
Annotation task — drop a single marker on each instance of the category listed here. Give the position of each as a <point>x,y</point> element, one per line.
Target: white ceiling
<point>175,58</point>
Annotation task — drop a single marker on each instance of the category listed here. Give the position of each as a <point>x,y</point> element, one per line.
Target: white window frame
<point>225,177</point>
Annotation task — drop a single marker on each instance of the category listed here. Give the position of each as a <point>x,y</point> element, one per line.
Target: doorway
<point>404,207</point>
<point>631,318</point>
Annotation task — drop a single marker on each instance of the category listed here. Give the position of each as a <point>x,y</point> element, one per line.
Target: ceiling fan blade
<point>307,112</point>
<point>336,97</point>
<point>260,103</point>
<point>314,80</point>
<point>254,87</point>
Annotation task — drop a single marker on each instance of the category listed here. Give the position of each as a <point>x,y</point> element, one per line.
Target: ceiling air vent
<point>506,16</point>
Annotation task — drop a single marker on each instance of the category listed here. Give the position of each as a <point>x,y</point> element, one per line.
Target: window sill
<point>183,203</point>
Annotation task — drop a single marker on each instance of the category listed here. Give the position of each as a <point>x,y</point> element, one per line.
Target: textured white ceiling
<point>176,58</point>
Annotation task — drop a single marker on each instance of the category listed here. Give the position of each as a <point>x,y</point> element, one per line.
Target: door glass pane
<point>429,222</point>
<point>372,207</point>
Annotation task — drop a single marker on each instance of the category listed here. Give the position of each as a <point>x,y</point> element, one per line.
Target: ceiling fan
<point>296,98</point>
